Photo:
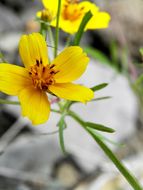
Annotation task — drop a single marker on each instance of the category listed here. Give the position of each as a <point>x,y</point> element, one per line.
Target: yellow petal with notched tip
<point>35,105</point>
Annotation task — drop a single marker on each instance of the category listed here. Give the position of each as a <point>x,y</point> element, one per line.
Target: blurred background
<point>30,157</point>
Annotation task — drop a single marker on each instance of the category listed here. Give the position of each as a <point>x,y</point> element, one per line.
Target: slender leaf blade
<point>101,98</point>
<point>99,127</point>
<point>4,101</point>
<point>125,172</point>
<point>82,26</point>
<point>103,138</point>
<point>62,125</point>
<point>99,86</point>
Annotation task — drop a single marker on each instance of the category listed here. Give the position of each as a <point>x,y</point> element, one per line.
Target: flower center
<point>42,76</point>
<point>72,11</point>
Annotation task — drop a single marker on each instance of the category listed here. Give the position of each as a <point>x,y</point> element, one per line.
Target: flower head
<point>39,77</point>
<point>46,15</point>
<point>72,13</point>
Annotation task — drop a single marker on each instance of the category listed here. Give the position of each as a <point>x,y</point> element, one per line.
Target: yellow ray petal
<point>71,91</point>
<point>13,78</point>
<point>33,47</point>
<point>71,64</point>
<point>52,4</point>
<point>67,25</point>
<point>35,105</point>
<point>86,5</point>
<point>98,21</point>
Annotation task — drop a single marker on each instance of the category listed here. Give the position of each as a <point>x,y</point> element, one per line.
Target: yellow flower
<point>72,13</point>
<point>33,82</point>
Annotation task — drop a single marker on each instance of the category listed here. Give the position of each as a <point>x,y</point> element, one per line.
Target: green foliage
<point>101,98</point>
<point>125,172</point>
<point>4,101</point>
<point>62,125</point>
<point>81,29</point>
<point>99,127</point>
<point>99,87</point>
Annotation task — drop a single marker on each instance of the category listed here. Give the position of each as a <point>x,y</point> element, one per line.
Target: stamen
<point>37,62</point>
<point>44,88</point>
<point>52,72</point>
<point>56,72</point>
<point>52,66</point>
<point>42,76</point>
<point>43,70</point>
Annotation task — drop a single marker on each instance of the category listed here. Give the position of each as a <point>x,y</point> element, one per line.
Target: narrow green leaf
<point>125,172</point>
<point>62,125</point>
<point>97,55</point>
<point>99,87</point>
<point>82,26</point>
<point>3,101</point>
<point>103,138</point>
<point>99,127</point>
<point>100,98</point>
<point>57,27</point>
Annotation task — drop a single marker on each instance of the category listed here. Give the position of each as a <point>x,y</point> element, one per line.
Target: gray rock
<point>20,5</point>
<point>8,20</point>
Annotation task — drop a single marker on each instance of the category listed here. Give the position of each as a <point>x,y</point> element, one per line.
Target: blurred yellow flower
<point>72,13</point>
<point>39,77</point>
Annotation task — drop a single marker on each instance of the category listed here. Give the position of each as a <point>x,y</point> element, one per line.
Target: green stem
<point>76,117</point>
<point>129,177</point>
<point>57,28</point>
<point>43,30</point>
<point>50,36</point>
<point>68,41</point>
<point>56,111</point>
